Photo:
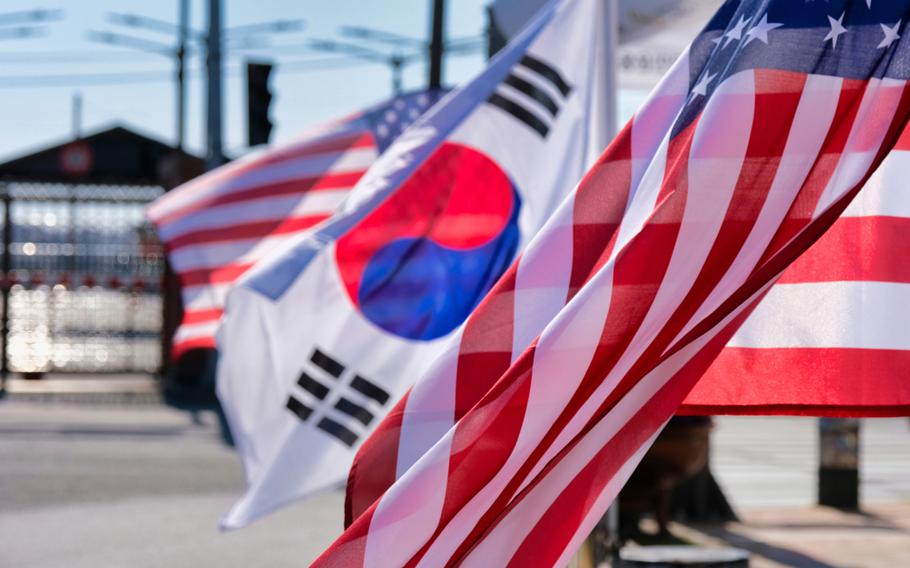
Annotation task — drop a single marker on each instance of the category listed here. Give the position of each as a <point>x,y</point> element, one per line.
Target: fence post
<point>7,265</point>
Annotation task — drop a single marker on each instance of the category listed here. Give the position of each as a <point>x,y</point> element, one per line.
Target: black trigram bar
<point>301,410</point>
<point>326,363</point>
<point>312,386</point>
<point>519,112</point>
<point>333,428</point>
<point>354,410</point>
<point>368,389</point>
<point>534,92</point>
<point>547,72</point>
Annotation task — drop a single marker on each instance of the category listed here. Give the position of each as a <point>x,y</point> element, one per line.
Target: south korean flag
<point>322,338</point>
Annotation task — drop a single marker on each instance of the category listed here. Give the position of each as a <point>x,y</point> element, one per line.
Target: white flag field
<point>319,340</point>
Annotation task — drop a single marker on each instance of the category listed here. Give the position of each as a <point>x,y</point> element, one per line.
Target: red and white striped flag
<point>518,439</point>
<point>217,226</point>
<point>831,338</point>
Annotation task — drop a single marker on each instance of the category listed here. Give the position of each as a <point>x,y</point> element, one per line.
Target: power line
<point>144,77</point>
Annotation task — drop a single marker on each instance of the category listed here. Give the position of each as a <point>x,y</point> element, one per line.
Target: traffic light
<point>258,100</point>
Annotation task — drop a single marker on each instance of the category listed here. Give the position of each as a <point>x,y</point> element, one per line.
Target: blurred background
<point>114,455</point>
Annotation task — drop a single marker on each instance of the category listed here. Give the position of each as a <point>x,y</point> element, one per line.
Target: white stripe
<point>653,122</point>
<point>195,331</point>
<point>204,296</point>
<point>858,315</point>
<point>542,278</point>
<point>873,119</point>
<point>642,197</point>
<point>266,209</point>
<point>409,510</point>
<point>229,180</point>
<point>814,113</point>
<point>878,196</point>
<point>429,409</point>
<point>216,255</point>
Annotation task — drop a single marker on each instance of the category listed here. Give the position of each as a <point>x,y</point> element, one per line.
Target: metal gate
<point>83,270</point>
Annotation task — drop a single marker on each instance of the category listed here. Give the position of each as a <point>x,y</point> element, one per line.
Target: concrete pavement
<point>104,485</point>
<point>112,486</point>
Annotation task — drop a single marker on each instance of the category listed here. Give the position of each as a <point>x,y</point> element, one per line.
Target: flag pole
<point>610,41</point>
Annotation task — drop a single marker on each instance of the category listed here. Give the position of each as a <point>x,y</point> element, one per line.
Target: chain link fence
<point>83,285</point>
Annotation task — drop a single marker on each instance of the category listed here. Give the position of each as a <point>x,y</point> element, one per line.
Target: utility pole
<point>214,45</point>
<point>182,36</point>
<point>437,42</point>
<point>214,155</point>
<point>77,114</point>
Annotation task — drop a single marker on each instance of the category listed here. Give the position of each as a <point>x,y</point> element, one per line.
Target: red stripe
<point>251,230</point>
<point>903,141</point>
<point>597,212</point>
<point>855,249</point>
<point>297,186</point>
<point>297,152</point>
<point>336,144</point>
<point>201,316</point>
<point>220,275</point>
<point>753,379</point>
<point>485,352</point>
<point>349,549</point>
<point>845,411</point>
<point>276,157</point>
<point>375,465</point>
<point>181,347</point>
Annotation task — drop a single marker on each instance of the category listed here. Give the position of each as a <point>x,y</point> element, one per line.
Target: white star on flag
<point>736,32</point>
<point>701,88</point>
<point>891,35</point>
<point>837,30</point>
<point>760,30</point>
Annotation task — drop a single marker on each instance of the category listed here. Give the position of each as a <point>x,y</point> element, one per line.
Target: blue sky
<point>32,117</point>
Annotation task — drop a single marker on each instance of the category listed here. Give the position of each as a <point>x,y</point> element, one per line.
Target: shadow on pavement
<point>785,556</point>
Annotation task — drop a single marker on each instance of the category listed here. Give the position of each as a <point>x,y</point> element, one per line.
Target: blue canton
<point>853,39</point>
<point>389,121</point>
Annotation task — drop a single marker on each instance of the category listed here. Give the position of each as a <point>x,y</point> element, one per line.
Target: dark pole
<point>397,64</point>
<point>214,147</point>
<point>183,22</point>
<point>437,39</point>
<point>838,463</point>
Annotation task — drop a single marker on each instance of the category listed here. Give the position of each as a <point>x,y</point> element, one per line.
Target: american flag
<point>514,445</point>
<point>219,225</point>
